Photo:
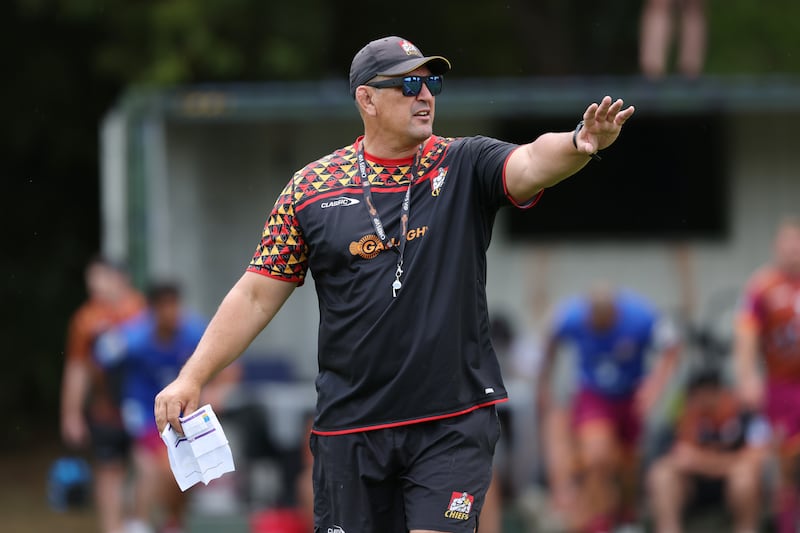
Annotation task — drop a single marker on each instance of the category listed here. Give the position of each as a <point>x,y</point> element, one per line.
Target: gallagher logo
<point>369,246</point>
<point>460,506</point>
<point>340,201</point>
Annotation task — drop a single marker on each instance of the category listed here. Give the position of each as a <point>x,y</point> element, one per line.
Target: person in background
<point>149,351</point>
<point>767,335</point>
<point>718,453</point>
<point>656,34</point>
<point>612,331</point>
<point>90,414</point>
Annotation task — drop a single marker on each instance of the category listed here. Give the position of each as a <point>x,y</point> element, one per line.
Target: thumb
<point>588,147</point>
<point>190,407</point>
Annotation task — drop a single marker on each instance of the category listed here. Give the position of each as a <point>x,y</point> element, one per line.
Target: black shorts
<point>431,475</point>
<point>706,492</point>
<point>110,443</point>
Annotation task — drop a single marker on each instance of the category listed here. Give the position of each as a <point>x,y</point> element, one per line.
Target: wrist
<point>578,128</point>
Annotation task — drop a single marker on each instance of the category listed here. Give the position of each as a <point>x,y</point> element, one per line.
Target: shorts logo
<point>438,181</point>
<point>369,246</point>
<point>410,49</point>
<point>460,506</point>
<point>336,529</point>
<point>340,201</point>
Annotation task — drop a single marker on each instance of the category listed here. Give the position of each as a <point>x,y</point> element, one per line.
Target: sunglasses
<point>411,85</point>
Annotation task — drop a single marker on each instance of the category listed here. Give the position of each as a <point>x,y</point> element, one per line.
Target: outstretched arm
<point>246,310</point>
<point>552,157</point>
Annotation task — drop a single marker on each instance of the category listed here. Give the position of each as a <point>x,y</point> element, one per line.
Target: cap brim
<point>437,64</point>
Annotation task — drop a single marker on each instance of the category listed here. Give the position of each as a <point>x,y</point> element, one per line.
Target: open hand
<point>601,125</point>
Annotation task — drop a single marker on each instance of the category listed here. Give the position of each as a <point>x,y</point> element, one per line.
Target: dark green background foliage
<point>65,62</point>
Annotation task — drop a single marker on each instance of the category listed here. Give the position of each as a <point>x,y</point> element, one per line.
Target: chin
<point>422,133</point>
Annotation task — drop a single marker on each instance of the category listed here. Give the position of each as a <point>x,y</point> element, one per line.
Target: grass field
<point>23,497</point>
<point>24,507</point>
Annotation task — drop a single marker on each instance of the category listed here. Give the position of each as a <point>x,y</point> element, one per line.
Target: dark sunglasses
<point>411,85</point>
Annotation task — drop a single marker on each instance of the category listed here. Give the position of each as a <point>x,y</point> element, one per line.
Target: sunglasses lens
<point>434,84</point>
<point>412,85</point>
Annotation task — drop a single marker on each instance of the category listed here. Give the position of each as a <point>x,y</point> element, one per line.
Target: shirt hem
<point>519,205</point>
<point>388,425</point>
<point>265,272</point>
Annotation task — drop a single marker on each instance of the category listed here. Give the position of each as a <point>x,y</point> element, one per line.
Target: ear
<point>365,98</point>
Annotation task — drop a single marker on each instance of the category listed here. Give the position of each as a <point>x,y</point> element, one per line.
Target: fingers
<point>624,115</point>
<point>167,411</point>
<point>601,113</point>
<point>607,110</point>
<point>159,409</point>
<point>173,410</point>
<point>589,114</point>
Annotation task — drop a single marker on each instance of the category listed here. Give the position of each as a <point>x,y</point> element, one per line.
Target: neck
<point>385,150</point>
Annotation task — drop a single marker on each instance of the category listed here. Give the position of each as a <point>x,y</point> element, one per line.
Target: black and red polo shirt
<point>426,354</point>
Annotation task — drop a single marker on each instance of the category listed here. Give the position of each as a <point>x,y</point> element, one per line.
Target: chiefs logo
<point>410,49</point>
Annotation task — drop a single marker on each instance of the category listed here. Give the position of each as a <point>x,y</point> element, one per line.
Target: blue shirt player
<point>612,333</point>
<point>148,351</point>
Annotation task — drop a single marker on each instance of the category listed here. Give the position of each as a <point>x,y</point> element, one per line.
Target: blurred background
<point>160,132</point>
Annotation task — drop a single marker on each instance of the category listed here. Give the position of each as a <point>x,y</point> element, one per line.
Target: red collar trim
<point>404,161</point>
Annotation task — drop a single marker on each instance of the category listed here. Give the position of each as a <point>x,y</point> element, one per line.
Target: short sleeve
<point>79,338</point>
<point>282,253</point>
<point>490,156</point>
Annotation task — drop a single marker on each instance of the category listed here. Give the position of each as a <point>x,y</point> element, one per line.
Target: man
<point>612,332</point>
<point>768,327</point>
<point>148,351</point>
<point>89,408</point>
<point>719,451</point>
<point>395,228</point>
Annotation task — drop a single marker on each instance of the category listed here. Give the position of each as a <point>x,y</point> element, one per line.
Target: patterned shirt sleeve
<point>282,253</point>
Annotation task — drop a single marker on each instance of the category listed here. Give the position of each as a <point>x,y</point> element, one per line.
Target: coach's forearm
<point>541,164</point>
<point>244,312</point>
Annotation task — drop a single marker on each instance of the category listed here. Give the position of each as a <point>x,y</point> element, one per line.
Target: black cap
<point>391,56</point>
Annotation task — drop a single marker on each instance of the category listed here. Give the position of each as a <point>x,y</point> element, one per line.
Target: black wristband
<point>578,128</point>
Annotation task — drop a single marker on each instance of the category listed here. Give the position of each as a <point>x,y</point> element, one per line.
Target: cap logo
<point>410,49</point>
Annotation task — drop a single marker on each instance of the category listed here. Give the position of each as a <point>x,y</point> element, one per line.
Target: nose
<point>425,93</point>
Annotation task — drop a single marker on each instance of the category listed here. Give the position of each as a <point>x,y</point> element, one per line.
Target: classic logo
<point>460,506</point>
<point>369,246</point>
<point>438,181</point>
<point>410,49</point>
<point>339,201</point>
